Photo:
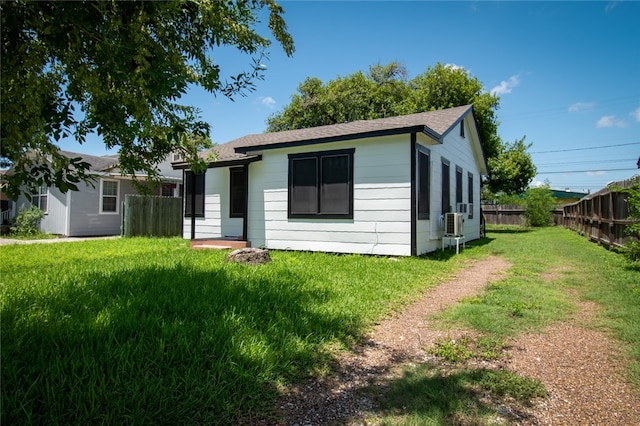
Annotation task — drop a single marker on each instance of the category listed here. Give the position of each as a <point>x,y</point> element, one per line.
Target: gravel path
<point>578,366</point>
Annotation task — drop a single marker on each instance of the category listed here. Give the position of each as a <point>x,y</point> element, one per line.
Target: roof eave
<point>340,138</point>
<point>225,163</point>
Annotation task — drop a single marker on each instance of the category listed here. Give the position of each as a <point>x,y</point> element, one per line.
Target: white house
<point>371,187</point>
<point>94,209</point>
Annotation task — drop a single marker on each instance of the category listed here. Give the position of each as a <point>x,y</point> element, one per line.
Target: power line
<point>588,170</point>
<point>575,163</point>
<point>605,103</point>
<point>585,148</point>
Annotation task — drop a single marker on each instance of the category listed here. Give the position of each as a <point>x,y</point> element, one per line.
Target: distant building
<point>564,196</point>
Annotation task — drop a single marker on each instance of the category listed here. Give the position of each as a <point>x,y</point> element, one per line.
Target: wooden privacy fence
<point>151,216</point>
<point>602,216</point>
<point>505,214</point>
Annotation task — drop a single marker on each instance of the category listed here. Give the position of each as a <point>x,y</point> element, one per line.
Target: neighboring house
<point>94,210</point>
<point>6,204</point>
<point>567,197</point>
<point>371,187</point>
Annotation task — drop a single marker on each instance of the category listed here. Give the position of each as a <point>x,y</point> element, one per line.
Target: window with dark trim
<point>458,185</point>
<point>446,187</point>
<point>470,197</point>
<point>424,187</point>
<point>237,191</point>
<point>321,184</point>
<point>462,128</point>
<point>199,194</point>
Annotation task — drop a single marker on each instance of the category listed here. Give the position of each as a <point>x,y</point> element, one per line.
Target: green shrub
<point>632,247</point>
<point>538,204</point>
<point>27,221</point>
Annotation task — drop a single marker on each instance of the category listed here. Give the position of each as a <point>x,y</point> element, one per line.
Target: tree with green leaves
<point>118,69</point>
<point>511,168</point>
<point>385,91</point>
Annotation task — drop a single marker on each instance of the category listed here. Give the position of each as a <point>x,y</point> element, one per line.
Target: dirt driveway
<point>578,365</point>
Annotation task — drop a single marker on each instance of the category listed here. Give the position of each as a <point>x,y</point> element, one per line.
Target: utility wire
<point>588,170</point>
<point>574,163</point>
<point>585,148</point>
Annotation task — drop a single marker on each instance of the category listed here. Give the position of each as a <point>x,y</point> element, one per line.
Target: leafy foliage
<point>538,204</point>
<point>386,91</point>
<point>27,221</point>
<point>632,247</point>
<point>512,169</point>
<point>117,69</point>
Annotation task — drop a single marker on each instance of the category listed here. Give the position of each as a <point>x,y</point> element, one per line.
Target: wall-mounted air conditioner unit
<point>453,224</point>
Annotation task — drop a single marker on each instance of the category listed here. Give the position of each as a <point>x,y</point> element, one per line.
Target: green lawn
<point>147,331</point>
<point>552,267</point>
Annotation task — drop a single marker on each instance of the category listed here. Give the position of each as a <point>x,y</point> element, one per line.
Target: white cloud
<point>506,86</point>
<point>610,121</point>
<point>267,101</point>
<point>596,173</point>
<point>610,6</point>
<point>581,106</point>
<point>635,114</point>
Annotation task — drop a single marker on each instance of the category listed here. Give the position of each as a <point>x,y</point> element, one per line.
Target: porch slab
<point>218,244</point>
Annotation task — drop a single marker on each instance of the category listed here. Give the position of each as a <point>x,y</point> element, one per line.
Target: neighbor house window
<point>189,194</point>
<point>423,183</point>
<point>237,191</point>
<point>462,128</point>
<point>446,187</point>
<point>470,197</point>
<point>321,184</point>
<point>167,189</point>
<point>109,196</point>
<point>41,198</point>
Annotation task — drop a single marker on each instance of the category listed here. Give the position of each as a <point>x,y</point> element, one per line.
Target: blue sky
<point>568,73</point>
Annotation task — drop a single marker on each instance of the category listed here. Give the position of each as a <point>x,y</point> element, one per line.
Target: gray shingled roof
<point>436,124</point>
<point>98,163</point>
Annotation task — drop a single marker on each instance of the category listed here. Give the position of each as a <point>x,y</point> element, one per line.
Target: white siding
<point>55,220</point>
<point>216,222</point>
<point>381,221</point>
<point>459,152</point>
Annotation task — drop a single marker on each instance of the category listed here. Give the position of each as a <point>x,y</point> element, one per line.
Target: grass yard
<point>551,268</point>
<point>147,331</point>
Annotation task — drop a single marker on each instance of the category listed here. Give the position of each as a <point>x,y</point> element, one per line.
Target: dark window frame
<point>446,186</point>
<point>199,193</point>
<point>470,193</point>
<point>320,211</point>
<point>424,182</point>
<point>462,128</point>
<point>459,185</point>
<point>237,191</point>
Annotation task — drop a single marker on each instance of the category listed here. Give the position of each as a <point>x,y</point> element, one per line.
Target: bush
<point>26,223</point>
<point>538,204</point>
<point>632,247</point>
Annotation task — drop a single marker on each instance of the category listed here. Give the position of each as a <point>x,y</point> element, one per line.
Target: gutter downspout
<point>192,189</point>
<point>414,202</point>
<point>245,213</point>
